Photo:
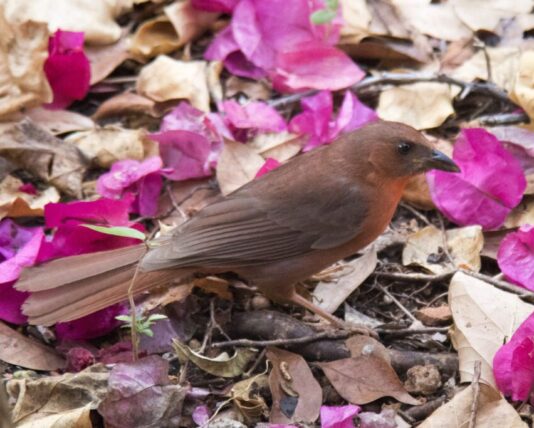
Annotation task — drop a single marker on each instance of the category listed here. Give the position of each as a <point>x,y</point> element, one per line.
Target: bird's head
<point>398,150</point>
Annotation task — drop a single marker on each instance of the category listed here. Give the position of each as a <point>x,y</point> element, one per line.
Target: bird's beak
<point>441,161</point>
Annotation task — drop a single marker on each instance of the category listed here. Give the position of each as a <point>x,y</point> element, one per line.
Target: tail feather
<point>73,287</point>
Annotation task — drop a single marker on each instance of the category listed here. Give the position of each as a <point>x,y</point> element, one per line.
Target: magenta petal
<point>225,6</point>
<point>353,114</point>
<point>103,211</point>
<point>315,65</point>
<point>516,256</point>
<point>338,416</point>
<point>67,68</point>
<point>95,325</point>
<point>269,165</point>
<point>201,415</point>
<point>26,255</point>
<point>253,115</point>
<point>479,195</point>
<point>513,364</point>
<point>11,303</point>
<point>149,189</point>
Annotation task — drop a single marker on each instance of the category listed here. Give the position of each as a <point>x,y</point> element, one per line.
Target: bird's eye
<point>404,147</point>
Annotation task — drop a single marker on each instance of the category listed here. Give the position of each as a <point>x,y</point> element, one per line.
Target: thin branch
<point>504,119</point>
<point>283,342</point>
<point>411,331</point>
<point>414,277</point>
<point>476,395</point>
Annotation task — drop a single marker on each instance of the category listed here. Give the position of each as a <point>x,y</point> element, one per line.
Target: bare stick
<point>476,395</point>
<point>414,277</point>
<point>283,342</point>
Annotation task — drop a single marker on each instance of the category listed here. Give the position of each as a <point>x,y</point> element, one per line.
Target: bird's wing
<point>250,228</point>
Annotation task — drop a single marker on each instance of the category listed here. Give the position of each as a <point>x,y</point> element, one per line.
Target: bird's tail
<point>72,287</point>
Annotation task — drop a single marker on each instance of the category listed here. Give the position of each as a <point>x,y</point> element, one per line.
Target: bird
<point>274,232</point>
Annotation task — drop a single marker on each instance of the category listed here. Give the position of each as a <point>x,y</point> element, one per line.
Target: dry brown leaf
<point>504,63</point>
<point>486,14</point>
<point>167,79</point>
<point>521,215</point>
<point>237,165</point>
<point>297,396</point>
<point>21,351</point>
<point>213,77</point>
<point>277,145</point>
<point>523,89</point>
<point>154,37</point>
<point>331,294</point>
<point>75,418</point>
<point>64,397</point>
<point>23,51</point>
<point>356,19</point>
<point>492,241</point>
<point>246,397</point>
<point>365,378</point>
<point>425,248</point>
<point>252,89</point>
<point>166,296</point>
<point>434,19</point>
<point>484,317</point>
<point>14,203</point>
<point>493,411</point>
<point>125,104</point>
<point>104,146</point>
<point>32,148</point>
<point>105,59</point>
<point>59,121</point>
<point>434,316</point>
<point>215,285</point>
<point>223,365</point>
<point>423,105</point>
<point>96,18</point>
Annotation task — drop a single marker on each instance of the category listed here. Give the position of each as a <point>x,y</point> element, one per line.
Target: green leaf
<point>126,232</point>
<point>124,318</point>
<point>323,16</point>
<point>157,317</point>
<point>332,4</point>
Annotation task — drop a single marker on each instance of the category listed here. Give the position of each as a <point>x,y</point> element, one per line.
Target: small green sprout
<point>143,325</point>
<point>327,14</point>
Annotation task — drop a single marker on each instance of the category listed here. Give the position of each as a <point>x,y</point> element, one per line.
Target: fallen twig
<point>504,119</point>
<point>476,395</point>
<point>414,277</point>
<point>283,342</point>
<point>410,331</point>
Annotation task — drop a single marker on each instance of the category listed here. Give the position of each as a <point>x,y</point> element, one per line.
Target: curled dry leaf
<point>104,146</point>
<point>95,18</point>
<point>297,396</point>
<point>57,395</point>
<point>237,165</point>
<point>154,37</point>
<point>423,105</point>
<point>21,351</point>
<point>367,375</point>
<point>16,203</point>
<point>331,294</point>
<point>425,248</point>
<point>32,148</point>
<point>167,79</point>
<point>523,90</point>
<point>223,365</point>
<point>59,122</point>
<point>23,51</point>
<point>126,104</point>
<point>492,410</point>
<point>105,59</point>
<point>246,397</point>
<point>484,317</point>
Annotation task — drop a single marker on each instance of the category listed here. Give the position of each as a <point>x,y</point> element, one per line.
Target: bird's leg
<point>301,301</point>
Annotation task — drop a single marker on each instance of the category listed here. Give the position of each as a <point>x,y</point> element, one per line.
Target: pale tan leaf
<point>21,351</point>
<point>75,418</point>
<point>330,294</point>
<point>96,18</point>
<point>237,165</point>
<point>169,79</point>
<point>523,90</point>
<point>125,104</point>
<point>277,145</point>
<point>23,51</point>
<point>423,105</point>
<point>223,365</point>
<point>356,19</point>
<point>484,317</point>
<point>246,397</point>
<point>493,411</point>
<point>425,248</point>
<point>297,396</point>
<point>14,203</point>
<point>154,37</point>
<point>60,122</point>
<point>105,59</point>
<point>521,215</point>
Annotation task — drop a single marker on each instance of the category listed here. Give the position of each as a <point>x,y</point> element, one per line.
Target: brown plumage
<point>273,232</point>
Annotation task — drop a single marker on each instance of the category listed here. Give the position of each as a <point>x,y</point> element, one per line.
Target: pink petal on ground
<point>103,211</point>
<point>513,364</point>
<point>79,358</point>
<point>269,165</point>
<point>338,416</point>
<point>28,188</point>
<point>67,68</point>
<point>353,114</point>
<point>516,256</point>
<point>314,65</point>
<point>11,302</point>
<point>225,6</point>
<point>201,415</point>
<point>148,191</point>
<point>479,195</point>
<point>95,325</point>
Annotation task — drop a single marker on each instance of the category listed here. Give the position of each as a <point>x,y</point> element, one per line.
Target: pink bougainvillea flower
<point>338,416</point>
<point>490,185</point>
<point>215,5</point>
<point>94,325</point>
<point>201,415</point>
<point>244,120</point>
<point>516,256</point>
<point>140,178</point>
<point>190,142</point>
<point>269,165</point>
<point>317,121</point>
<point>28,188</point>
<point>277,39</point>
<point>67,68</point>
<point>19,247</point>
<point>513,364</point>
